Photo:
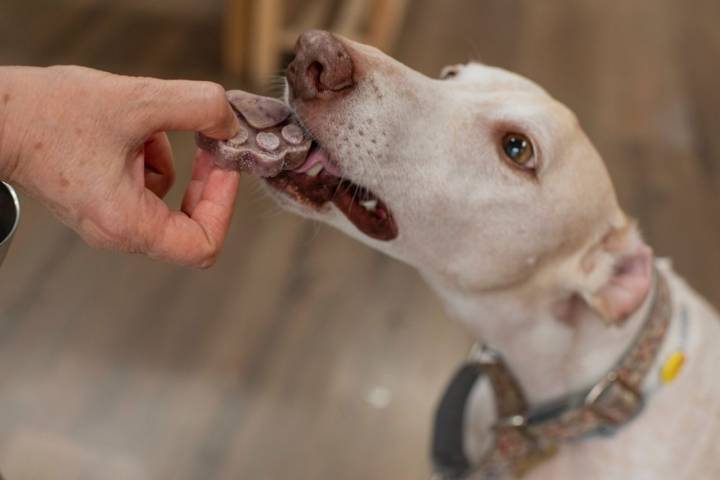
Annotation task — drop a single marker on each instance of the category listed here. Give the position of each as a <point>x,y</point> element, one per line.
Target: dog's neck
<point>551,355</point>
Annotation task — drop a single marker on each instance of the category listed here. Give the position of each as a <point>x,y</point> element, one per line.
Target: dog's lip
<point>320,181</point>
<point>361,207</point>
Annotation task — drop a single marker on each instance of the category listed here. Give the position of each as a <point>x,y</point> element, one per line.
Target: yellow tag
<point>672,367</point>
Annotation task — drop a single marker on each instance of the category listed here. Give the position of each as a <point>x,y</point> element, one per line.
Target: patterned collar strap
<point>525,437</point>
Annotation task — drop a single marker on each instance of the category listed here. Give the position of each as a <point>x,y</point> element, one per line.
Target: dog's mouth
<point>318,181</point>
<point>273,146</point>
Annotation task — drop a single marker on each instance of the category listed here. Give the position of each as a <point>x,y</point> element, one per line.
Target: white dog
<point>489,187</point>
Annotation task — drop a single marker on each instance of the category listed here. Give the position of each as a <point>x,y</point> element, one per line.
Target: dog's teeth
<point>370,205</point>
<point>314,171</point>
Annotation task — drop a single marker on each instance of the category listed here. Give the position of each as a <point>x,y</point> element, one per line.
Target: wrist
<point>17,89</point>
<point>8,90</point>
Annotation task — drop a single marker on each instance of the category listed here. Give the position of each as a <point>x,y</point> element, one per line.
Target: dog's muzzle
<point>9,217</point>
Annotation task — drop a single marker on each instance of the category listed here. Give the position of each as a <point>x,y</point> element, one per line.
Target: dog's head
<point>479,178</point>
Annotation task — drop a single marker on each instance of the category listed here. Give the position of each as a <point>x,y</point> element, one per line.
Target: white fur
<point>504,250</point>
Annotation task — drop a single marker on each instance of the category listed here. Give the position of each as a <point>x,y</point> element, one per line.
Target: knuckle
<point>142,91</point>
<point>144,96</point>
<point>140,95</point>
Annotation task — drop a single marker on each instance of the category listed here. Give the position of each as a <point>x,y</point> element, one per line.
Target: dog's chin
<point>319,182</point>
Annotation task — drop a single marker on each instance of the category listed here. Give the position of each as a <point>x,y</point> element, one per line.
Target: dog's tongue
<point>269,140</point>
<point>318,160</point>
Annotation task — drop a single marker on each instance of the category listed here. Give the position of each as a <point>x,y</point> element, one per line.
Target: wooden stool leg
<point>313,16</point>
<point>267,35</point>
<point>385,22</point>
<point>349,17</point>
<point>236,38</point>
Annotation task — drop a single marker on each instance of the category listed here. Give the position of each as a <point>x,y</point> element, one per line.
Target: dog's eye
<point>519,150</point>
<point>450,71</point>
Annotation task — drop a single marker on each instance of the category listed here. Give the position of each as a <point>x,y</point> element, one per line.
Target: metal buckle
<point>483,354</point>
<point>614,400</point>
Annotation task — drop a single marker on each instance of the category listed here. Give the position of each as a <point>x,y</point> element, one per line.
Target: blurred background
<point>303,354</point>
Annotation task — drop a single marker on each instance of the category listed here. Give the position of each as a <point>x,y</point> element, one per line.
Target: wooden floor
<point>304,355</point>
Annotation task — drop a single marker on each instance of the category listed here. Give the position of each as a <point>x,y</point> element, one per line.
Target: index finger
<point>192,106</point>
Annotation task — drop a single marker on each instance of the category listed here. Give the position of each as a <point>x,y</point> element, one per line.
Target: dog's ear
<point>618,274</point>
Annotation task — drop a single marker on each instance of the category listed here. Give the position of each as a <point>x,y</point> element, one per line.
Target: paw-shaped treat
<point>269,140</point>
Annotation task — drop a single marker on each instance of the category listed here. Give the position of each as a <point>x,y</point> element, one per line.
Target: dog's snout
<point>321,64</point>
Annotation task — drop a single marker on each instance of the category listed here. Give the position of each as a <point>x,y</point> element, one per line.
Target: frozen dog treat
<point>269,140</point>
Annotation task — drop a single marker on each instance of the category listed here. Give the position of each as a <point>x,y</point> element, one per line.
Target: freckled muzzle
<point>272,144</point>
<point>9,217</point>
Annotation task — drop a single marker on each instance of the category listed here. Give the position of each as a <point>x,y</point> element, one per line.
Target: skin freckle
<point>64,182</point>
<point>38,146</point>
<point>6,98</point>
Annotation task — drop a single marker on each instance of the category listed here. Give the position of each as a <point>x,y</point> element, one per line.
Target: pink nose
<point>321,65</point>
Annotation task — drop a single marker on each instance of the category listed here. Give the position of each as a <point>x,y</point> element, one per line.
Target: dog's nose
<point>321,65</point>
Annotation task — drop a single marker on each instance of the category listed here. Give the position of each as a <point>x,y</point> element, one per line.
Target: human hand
<point>92,147</point>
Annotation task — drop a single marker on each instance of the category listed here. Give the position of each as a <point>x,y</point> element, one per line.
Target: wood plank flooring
<point>304,355</point>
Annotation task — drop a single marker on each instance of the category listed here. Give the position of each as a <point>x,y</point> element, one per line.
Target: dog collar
<point>525,436</point>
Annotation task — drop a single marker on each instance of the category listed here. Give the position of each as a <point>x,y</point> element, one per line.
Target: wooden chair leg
<point>236,36</point>
<point>349,17</point>
<point>254,33</point>
<point>385,22</point>
<point>266,40</point>
<point>314,15</point>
